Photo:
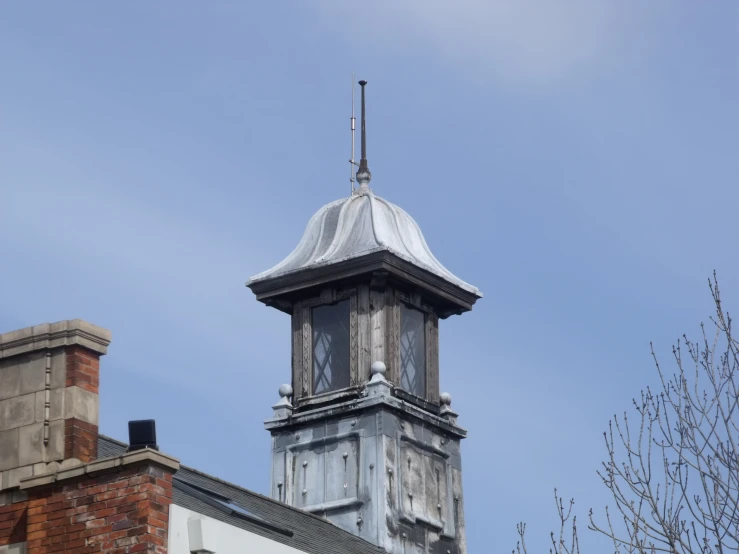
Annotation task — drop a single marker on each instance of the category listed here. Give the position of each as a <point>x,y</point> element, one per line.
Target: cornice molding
<point>362,404</point>
<point>271,291</point>
<point>54,335</point>
<point>138,457</point>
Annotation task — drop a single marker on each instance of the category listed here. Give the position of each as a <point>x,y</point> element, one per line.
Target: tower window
<point>412,350</point>
<point>330,347</point>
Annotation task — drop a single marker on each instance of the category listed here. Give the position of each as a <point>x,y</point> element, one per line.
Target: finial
<point>363,173</point>
<point>445,399</point>
<point>283,408</point>
<point>378,385</point>
<point>378,370</point>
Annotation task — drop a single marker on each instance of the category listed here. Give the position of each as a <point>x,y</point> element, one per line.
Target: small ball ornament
<point>378,368</point>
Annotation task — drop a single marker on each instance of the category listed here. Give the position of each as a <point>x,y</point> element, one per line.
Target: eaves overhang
<point>378,267</point>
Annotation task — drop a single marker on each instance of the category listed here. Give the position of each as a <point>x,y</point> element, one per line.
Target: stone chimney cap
<point>53,335</point>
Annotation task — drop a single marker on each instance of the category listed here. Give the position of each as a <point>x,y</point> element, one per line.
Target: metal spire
<point>352,163</point>
<point>363,173</point>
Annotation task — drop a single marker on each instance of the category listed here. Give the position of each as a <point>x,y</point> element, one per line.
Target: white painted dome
<point>356,226</point>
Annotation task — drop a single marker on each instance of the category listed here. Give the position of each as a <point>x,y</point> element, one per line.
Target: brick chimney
<point>49,380</point>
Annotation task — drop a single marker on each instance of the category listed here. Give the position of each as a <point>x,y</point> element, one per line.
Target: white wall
<point>226,538</point>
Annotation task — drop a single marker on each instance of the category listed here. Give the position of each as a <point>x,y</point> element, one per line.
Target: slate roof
<point>253,512</point>
<point>356,226</point>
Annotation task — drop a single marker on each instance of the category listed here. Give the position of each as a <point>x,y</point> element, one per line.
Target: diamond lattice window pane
<point>330,347</point>
<point>412,351</point>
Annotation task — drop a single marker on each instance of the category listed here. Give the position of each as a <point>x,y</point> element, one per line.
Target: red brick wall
<point>13,521</point>
<point>80,440</point>
<point>83,370</point>
<point>117,513</point>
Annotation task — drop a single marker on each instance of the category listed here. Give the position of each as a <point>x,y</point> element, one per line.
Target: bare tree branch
<point>673,471</point>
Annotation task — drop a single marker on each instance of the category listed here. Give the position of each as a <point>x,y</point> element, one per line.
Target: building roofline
<point>316,519</point>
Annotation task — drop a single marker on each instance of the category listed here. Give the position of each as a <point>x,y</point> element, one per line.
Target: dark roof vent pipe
<point>142,434</point>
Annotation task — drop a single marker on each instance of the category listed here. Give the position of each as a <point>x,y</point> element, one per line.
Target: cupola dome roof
<point>359,225</point>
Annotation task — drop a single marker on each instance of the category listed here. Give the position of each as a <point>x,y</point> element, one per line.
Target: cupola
<point>365,295</point>
<point>362,286</point>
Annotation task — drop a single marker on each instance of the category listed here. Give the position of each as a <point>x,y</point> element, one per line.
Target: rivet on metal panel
<point>346,455</point>
<point>390,471</point>
<point>305,491</point>
<point>305,463</point>
<point>297,436</point>
<point>354,422</point>
<point>372,466</point>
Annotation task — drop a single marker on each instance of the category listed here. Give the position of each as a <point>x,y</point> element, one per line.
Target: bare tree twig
<point>673,472</point>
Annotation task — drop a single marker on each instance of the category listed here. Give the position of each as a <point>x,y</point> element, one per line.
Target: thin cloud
<point>520,41</point>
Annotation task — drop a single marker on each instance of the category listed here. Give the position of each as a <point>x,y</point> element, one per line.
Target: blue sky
<point>575,160</point>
